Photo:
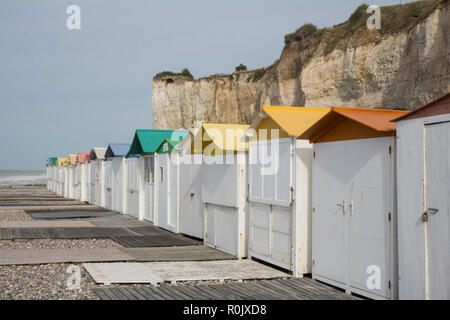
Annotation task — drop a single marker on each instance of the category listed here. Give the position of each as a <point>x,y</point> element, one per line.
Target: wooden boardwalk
<point>185,253</point>
<point>74,255</point>
<point>282,289</point>
<point>143,243</point>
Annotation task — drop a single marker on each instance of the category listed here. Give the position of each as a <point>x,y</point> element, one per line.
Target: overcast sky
<point>63,91</point>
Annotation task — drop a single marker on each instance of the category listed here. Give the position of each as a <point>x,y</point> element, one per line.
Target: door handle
<point>343,205</point>
<point>351,207</point>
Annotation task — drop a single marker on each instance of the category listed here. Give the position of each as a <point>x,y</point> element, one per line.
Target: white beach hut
<point>72,176</point>
<point>280,187</point>
<point>423,187</point>
<point>62,164</point>
<point>83,164</point>
<point>114,187</point>
<point>140,168</point>
<point>97,156</point>
<point>354,238</point>
<point>224,187</point>
<point>168,159</point>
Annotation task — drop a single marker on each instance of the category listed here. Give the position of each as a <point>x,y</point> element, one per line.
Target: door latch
<point>432,210</point>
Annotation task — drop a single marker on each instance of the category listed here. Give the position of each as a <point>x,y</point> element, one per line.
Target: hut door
<point>331,175</point>
<point>437,201</point>
<point>149,167</point>
<point>270,211</point>
<point>163,192</point>
<point>191,209</point>
<point>92,174</point>
<point>368,210</point>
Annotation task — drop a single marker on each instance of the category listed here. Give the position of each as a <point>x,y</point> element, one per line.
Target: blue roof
<point>117,150</point>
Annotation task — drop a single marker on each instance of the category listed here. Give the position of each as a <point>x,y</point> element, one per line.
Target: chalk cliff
<point>402,66</point>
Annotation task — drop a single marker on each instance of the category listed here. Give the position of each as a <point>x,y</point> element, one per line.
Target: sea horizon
<point>11,178</point>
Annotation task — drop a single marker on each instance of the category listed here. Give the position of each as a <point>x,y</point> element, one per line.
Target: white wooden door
<point>353,208</point>
<point>148,192</point>
<point>437,202</point>
<point>78,171</point>
<point>92,175</point>
<point>370,211</point>
<point>163,191</point>
<point>270,182</point>
<point>117,184</point>
<point>331,176</point>
<point>98,182</point>
<point>132,188</point>
<point>191,207</point>
<point>107,171</point>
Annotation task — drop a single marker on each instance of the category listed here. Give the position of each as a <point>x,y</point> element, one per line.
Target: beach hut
<point>167,190</point>
<point>82,176</point>
<point>354,238</point>
<point>190,154</point>
<point>224,187</point>
<point>423,188</point>
<point>140,171</point>
<point>97,155</point>
<point>51,163</point>
<point>62,164</point>
<point>280,187</point>
<point>72,176</point>
<point>114,176</point>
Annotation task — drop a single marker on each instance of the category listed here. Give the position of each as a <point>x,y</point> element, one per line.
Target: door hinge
<point>314,154</point>
<point>314,262</point>
<point>390,149</point>
<point>389,285</point>
<point>389,217</point>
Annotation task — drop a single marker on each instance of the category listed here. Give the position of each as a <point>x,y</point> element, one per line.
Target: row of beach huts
<point>359,198</point>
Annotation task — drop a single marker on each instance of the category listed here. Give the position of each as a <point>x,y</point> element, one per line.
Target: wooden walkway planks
<point>157,240</point>
<point>45,224</point>
<point>68,214</point>
<point>75,255</point>
<point>286,289</point>
<point>185,253</point>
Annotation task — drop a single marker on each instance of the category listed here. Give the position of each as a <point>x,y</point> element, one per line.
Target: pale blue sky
<point>63,91</point>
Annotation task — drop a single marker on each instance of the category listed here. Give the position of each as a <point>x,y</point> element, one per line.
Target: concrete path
<point>159,272</point>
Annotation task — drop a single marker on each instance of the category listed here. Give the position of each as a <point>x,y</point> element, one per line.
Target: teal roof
<point>148,141</point>
<point>171,146</point>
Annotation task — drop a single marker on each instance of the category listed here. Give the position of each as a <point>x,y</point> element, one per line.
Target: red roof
<point>433,108</point>
<point>83,156</point>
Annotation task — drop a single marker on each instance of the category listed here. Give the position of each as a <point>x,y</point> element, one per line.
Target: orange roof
<point>376,119</point>
<point>295,120</point>
<point>73,159</point>
<point>353,123</point>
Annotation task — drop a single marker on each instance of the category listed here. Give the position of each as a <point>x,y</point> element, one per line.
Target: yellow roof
<point>295,120</point>
<point>73,159</point>
<point>225,137</point>
<point>62,162</point>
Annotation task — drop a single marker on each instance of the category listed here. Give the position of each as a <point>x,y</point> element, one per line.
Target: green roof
<point>170,146</point>
<point>148,141</point>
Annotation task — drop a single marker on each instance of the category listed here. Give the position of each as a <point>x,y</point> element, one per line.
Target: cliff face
<point>401,70</point>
